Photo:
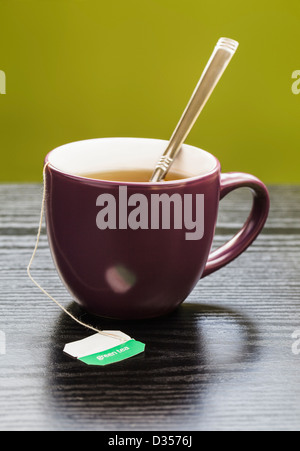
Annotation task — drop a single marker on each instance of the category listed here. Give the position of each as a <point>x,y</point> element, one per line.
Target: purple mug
<point>131,250</point>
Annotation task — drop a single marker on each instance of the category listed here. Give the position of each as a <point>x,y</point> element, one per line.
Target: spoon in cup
<point>219,60</point>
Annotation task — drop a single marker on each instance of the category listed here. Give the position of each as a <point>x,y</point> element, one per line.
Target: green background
<point>79,69</point>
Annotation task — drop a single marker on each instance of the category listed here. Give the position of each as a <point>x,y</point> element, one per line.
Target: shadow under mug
<point>146,269</point>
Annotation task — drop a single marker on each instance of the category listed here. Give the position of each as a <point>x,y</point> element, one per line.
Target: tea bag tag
<point>100,349</point>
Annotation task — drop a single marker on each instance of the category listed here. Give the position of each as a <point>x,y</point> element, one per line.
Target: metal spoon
<point>219,60</point>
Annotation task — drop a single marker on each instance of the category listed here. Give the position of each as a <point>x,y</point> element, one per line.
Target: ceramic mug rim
<point>216,168</point>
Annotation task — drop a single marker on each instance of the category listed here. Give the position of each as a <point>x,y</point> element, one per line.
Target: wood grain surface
<point>223,361</point>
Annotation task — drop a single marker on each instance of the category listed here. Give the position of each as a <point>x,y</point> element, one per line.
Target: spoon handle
<point>213,71</point>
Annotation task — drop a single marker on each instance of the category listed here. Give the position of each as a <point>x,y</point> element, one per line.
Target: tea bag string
<point>39,286</point>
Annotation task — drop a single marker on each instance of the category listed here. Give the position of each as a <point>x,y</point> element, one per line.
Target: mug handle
<point>252,227</point>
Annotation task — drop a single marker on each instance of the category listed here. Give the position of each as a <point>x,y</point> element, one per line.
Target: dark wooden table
<point>222,361</point>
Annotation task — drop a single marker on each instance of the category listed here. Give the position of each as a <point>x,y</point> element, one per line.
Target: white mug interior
<point>125,154</point>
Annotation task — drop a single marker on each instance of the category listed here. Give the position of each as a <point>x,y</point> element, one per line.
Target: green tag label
<point>123,351</point>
